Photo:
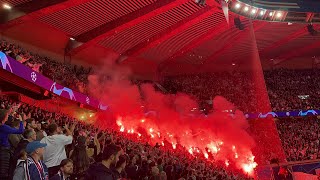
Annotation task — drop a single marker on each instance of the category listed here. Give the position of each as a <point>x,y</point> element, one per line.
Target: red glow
<point>227,163</point>
<point>174,146</point>
<point>214,137</point>
<point>206,155</point>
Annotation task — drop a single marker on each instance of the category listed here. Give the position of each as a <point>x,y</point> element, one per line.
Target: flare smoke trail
<point>160,118</point>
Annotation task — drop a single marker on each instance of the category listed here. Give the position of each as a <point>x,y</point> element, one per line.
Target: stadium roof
<point>176,36</point>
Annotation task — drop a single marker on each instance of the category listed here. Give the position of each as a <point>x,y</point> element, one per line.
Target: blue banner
<point>279,114</point>
<point>15,67</point>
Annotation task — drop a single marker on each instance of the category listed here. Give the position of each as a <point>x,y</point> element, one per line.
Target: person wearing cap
<point>36,169</point>
<point>33,168</point>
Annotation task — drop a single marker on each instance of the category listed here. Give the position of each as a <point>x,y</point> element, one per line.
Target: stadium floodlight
<point>253,11</point>
<point>262,12</point>
<point>279,14</point>
<point>246,8</point>
<point>238,6</point>
<point>271,14</point>
<point>6,6</point>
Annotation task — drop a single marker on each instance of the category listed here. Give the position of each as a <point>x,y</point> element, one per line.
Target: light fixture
<point>233,64</point>
<point>246,8</point>
<point>279,14</point>
<point>262,12</point>
<point>72,39</point>
<point>271,14</point>
<point>238,6</point>
<point>6,6</point>
<point>253,11</point>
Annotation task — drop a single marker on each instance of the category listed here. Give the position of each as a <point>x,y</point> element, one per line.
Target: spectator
<point>80,155</point>
<point>34,168</point>
<point>66,74</point>
<point>40,133</point>
<point>28,136</point>
<point>141,156</point>
<point>102,171</point>
<point>132,169</point>
<point>5,130</point>
<point>31,123</point>
<point>300,137</point>
<point>14,139</point>
<point>163,175</point>
<point>55,150</point>
<point>66,170</point>
<point>119,171</point>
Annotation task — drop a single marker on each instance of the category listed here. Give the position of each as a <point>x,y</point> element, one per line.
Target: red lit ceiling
<point>177,36</point>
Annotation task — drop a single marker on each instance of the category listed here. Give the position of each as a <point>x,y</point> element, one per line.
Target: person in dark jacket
<point>29,135</point>
<point>33,168</point>
<point>5,130</point>
<point>66,170</point>
<point>102,170</point>
<point>119,170</point>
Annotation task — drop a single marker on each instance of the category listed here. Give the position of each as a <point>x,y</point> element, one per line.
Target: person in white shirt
<point>55,150</point>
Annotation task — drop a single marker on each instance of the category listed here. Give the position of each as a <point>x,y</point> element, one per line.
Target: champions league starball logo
<point>33,76</point>
<point>60,91</point>
<point>5,62</point>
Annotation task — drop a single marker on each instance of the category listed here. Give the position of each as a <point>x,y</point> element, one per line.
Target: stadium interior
<point>159,89</point>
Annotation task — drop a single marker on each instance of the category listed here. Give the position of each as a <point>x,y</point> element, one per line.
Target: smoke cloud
<point>172,119</point>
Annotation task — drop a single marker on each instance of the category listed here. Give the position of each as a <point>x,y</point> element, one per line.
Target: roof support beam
<point>124,22</point>
<point>294,53</point>
<point>285,40</point>
<point>35,9</point>
<point>26,8</point>
<point>198,41</point>
<point>169,32</point>
<point>237,38</point>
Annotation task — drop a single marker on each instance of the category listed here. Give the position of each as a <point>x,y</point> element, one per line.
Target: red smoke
<point>163,118</point>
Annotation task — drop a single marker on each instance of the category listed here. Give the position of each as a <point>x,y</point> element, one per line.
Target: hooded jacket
<point>98,171</point>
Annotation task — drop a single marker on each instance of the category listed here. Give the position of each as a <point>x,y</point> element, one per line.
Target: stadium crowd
<point>66,74</point>
<point>36,144</point>
<point>300,137</point>
<point>293,89</point>
<point>288,89</point>
<point>205,86</point>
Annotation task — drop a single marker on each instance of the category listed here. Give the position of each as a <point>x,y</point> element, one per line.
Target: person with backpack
<point>33,168</point>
